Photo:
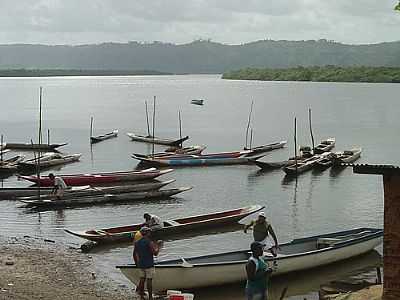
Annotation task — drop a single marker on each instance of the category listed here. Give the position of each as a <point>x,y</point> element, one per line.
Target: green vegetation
<point>322,74</point>
<point>61,72</point>
<point>397,6</point>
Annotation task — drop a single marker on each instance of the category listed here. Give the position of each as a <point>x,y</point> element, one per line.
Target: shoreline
<point>34,268</point>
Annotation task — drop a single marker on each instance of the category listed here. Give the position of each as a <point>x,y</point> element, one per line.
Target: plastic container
<point>173,292</point>
<point>184,296</point>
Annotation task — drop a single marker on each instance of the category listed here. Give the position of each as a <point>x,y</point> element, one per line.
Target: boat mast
<point>180,126</point>
<point>1,148</point>
<point>248,122</point>
<point>295,142</point>
<point>40,141</point>
<point>147,119</point>
<point>154,123</point>
<point>91,126</point>
<point>312,136</point>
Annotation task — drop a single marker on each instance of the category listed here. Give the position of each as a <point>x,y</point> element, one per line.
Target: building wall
<point>391,244</point>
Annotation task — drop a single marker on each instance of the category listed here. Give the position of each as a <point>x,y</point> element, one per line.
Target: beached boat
<point>184,160</point>
<point>106,198</point>
<point>347,156</point>
<point>49,160</point>
<point>100,178</point>
<point>36,147</point>
<point>229,267</point>
<point>325,146</point>
<point>156,140</point>
<point>197,101</point>
<point>171,227</point>
<point>267,147</point>
<point>102,137</point>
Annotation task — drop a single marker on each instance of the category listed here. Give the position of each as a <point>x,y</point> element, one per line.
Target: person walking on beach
<point>257,271</point>
<point>59,186</point>
<point>261,230</point>
<point>143,255</point>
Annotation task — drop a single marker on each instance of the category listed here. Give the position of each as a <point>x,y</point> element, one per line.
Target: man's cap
<point>145,229</point>
<point>256,245</point>
<point>261,214</point>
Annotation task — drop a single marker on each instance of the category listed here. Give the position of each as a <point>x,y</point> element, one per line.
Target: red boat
<point>100,178</point>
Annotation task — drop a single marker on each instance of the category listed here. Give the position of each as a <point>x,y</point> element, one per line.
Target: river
<point>364,115</point>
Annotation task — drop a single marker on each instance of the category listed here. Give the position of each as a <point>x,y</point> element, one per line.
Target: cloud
<point>181,21</point>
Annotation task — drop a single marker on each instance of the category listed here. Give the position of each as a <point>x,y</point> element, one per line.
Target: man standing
<point>59,186</point>
<point>257,271</point>
<point>261,230</point>
<point>143,255</point>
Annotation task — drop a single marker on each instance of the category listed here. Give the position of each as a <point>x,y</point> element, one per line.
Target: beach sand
<point>33,268</point>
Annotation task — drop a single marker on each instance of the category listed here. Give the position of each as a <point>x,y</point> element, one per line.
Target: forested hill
<point>198,56</point>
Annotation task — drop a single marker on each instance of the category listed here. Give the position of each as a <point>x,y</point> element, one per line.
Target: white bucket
<point>173,292</point>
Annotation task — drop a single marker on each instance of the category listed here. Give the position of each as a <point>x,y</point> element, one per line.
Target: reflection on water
<point>303,282</point>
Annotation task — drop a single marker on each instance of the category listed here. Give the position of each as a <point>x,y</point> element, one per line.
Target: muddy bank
<point>33,268</point>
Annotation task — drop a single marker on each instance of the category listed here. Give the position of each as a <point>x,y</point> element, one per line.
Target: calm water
<point>363,115</point>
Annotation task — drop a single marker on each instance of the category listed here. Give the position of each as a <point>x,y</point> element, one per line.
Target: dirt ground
<point>38,269</point>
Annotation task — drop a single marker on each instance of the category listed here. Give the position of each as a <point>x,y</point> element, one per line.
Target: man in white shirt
<point>59,186</point>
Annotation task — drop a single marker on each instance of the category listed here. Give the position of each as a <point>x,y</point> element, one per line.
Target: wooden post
<point>391,237</point>
<point>251,138</point>
<point>312,136</point>
<point>180,125</point>
<point>48,136</point>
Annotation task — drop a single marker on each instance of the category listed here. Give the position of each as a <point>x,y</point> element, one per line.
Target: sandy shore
<point>38,269</point>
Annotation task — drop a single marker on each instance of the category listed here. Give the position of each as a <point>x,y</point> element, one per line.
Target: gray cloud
<point>181,21</point>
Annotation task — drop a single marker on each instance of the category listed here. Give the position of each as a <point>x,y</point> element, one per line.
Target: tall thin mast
<point>312,136</point>
<point>154,123</point>
<point>248,122</point>
<point>147,120</point>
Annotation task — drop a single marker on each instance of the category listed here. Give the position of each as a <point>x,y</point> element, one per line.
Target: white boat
<point>347,156</point>
<point>325,146</point>
<point>225,268</point>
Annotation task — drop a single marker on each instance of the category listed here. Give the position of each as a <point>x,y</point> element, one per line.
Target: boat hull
<point>188,276</point>
<point>156,140</point>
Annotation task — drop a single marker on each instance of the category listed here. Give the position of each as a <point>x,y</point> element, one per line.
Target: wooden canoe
<point>347,156</point>
<point>102,137</point>
<point>197,101</point>
<point>100,178</point>
<point>325,146</point>
<point>229,267</point>
<point>271,165</point>
<point>198,160</point>
<point>10,165</point>
<point>42,147</point>
<point>302,165</point>
<point>191,150</point>
<point>267,147</point>
<point>171,227</point>
<point>106,198</point>
<point>47,161</point>
<point>156,140</point>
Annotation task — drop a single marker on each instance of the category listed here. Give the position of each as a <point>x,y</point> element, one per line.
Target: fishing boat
<point>106,198</point>
<point>35,147</point>
<point>229,267</point>
<point>155,140</point>
<point>173,151</point>
<point>86,191</point>
<point>304,165</point>
<point>221,158</point>
<point>267,147</point>
<point>4,151</point>
<point>325,146</point>
<point>10,165</point>
<point>49,160</point>
<point>325,162</point>
<point>197,101</point>
<point>264,165</point>
<point>347,156</point>
<point>100,178</point>
<point>102,137</point>
<point>171,227</point>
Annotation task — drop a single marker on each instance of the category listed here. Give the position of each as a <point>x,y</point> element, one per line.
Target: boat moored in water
<point>102,137</point>
<point>156,140</point>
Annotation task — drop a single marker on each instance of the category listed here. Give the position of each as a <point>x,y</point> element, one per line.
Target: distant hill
<point>198,56</point>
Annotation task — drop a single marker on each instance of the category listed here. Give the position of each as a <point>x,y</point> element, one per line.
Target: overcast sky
<point>182,21</point>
